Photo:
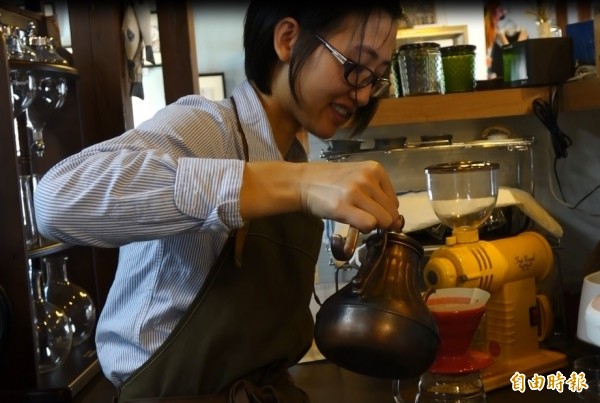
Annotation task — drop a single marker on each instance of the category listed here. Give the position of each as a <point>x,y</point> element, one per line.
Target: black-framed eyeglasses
<point>356,75</point>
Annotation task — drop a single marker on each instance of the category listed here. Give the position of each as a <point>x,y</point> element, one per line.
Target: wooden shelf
<point>576,95</point>
<point>67,380</point>
<point>58,69</point>
<point>509,144</point>
<point>46,248</point>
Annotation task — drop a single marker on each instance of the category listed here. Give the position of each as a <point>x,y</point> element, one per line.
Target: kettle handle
<point>365,272</point>
<point>343,249</point>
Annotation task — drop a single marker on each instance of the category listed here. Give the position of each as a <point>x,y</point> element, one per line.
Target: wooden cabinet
<point>97,107</point>
<point>67,131</point>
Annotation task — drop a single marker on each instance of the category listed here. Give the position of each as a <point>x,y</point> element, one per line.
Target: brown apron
<point>248,324</point>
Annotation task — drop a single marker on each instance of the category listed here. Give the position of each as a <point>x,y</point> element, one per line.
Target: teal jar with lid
<point>421,70</point>
<point>395,74</point>
<point>459,67</point>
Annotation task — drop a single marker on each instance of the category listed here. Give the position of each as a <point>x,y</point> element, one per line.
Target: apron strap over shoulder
<point>196,363</point>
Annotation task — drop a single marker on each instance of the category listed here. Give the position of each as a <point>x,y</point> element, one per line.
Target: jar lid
<point>458,50</point>
<point>462,166</point>
<point>422,45</point>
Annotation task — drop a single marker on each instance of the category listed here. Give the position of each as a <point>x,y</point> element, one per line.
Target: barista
<point>218,214</point>
<point>500,30</point>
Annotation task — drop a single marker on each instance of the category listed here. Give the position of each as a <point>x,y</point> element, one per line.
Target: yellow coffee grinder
<point>463,195</point>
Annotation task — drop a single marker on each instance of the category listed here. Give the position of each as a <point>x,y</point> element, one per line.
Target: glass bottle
<point>27,212</point>
<point>72,298</point>
<point>16,48</point>
<point>544,28</point>
<point>53,335</point>
<point>23,88</point>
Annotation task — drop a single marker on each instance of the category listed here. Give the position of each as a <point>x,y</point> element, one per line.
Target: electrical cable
<point>586,196</point>
<point>547,113</point>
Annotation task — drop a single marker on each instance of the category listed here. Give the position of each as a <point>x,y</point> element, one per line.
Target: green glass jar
<point>459,67</point>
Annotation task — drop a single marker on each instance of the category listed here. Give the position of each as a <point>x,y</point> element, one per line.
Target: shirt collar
<point>255,123</point>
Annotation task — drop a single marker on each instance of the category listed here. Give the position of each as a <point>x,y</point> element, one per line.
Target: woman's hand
<point>359,194</point>
<point>356,193</point>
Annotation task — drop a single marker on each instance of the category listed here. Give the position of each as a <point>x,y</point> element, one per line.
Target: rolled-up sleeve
<point>175,173</point>
<point>197,194</point>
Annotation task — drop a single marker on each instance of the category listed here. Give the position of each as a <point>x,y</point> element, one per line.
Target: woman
<point>499,31</point>
<point>217,214</point>
<point>493,14</point>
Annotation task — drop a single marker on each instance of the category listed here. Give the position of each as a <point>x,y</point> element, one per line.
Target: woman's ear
<point>284,37</point>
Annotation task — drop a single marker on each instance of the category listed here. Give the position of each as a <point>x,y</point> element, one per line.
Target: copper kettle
<point>379,324</point>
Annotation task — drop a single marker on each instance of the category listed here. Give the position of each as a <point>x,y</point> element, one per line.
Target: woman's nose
<point>363,95</point>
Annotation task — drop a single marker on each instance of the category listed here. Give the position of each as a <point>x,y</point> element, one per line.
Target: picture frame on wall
<point>154,42</point>
<point>212,85</point>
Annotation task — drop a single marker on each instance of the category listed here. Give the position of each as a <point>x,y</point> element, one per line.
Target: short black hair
<point>313,17</point>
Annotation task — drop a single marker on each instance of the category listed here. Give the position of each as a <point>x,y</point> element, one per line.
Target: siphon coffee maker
<point>463,195</point>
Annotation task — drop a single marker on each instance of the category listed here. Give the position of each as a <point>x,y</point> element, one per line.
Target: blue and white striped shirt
<point>166,193</point>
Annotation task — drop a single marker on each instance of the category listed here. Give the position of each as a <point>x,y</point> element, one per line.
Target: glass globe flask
<point>53,336</point>
<point>75,301</point>
<point>51,95</point>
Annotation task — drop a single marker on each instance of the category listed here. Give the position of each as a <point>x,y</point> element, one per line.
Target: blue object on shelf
<point>584,51</point>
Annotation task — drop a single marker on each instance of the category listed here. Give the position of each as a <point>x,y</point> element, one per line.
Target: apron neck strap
<point>240,129</point>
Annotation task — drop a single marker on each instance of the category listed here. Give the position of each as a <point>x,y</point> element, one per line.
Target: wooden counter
<point>328,383</point>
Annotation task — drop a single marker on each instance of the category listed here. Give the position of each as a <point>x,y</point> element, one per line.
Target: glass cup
<point>590,366</point>
<point>451,388</point>
<point>396,392</point>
